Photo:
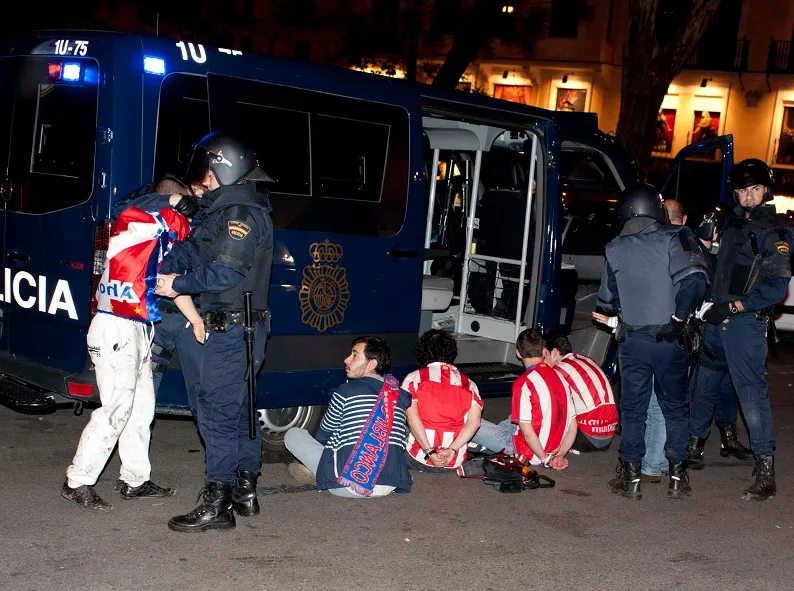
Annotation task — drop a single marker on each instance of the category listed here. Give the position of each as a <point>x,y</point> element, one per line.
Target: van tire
<point>276,421</point>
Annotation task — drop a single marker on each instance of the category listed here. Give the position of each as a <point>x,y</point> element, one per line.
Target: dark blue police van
<point>398,208</point>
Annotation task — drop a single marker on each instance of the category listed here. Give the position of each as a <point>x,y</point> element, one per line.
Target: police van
<point>397,208</point>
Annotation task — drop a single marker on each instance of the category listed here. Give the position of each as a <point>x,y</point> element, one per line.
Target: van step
<point>491,372</point>
<point>25,399</point>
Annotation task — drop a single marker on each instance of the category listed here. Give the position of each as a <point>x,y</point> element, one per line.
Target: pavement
<point>448,533</point>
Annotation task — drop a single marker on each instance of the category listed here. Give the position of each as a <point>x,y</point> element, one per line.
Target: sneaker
<point>147,490</point>
<point>85,496</point>
<point>301,473</point>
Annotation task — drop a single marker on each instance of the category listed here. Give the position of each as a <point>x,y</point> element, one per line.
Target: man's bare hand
<point>165,285</point>
<point>558,463</point>
<point>447,455</point>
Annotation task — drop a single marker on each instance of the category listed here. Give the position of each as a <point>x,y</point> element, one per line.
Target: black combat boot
<point>627,480</point>
<point>696,460</point>
<point>679,481</point>
<point>214,513</point>
<point>764,485</point>
<point>730,446</point>
<point>244,501</point>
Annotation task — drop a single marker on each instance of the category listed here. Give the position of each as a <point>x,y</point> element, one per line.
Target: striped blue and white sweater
<point>341,426</point>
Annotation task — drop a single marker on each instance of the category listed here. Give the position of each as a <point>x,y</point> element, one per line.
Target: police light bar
<point>153,65</point>
<point>70,72</point>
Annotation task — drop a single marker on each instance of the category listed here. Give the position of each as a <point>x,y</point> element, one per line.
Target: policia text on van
<point>511,205</point>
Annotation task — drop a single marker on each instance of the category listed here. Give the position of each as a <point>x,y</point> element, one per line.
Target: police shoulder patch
<point>782,247</point>
<point>237,229</point>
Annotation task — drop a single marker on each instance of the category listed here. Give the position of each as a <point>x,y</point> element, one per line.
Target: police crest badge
<point>325,292</point>
<point>782,247</point>
<point>238,229</point>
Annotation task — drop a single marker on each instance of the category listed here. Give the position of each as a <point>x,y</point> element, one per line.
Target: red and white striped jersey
<point>444,397</point>
<point>541,397</point>
<point>596,413</point>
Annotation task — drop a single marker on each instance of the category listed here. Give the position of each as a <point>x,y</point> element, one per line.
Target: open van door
<point>698,176</point>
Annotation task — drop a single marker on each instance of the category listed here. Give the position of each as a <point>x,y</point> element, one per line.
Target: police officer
<point>655,277</point>
<point>752,276</point>
<point>717,399</point>
<point>233,253</point>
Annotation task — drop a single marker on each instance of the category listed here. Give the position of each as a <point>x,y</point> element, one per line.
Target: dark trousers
<point>742,342</point>
<point>222,401</point>
<point>171,335</point>
<point>645,366</point>
<point>711,395</point>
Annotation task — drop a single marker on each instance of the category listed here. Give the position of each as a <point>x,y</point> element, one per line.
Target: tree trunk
<point>648,71</point>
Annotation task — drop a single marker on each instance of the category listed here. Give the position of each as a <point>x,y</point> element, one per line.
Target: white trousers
<point>120,352</point>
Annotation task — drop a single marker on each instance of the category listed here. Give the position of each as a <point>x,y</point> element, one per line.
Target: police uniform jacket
<point>232,250</point>
<point>753,264</point>
<point>653,274</point>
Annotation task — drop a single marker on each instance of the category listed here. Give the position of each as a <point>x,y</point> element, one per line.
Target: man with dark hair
<point>359,451</point>
<point>446,406</point>
<point>596,413</point>
<point>542,425</point>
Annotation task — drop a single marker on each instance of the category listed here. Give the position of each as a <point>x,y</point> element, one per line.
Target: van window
<point>183,119</point>
<point>340,164</point>
<point>52,132</point>
<point>590,194</point>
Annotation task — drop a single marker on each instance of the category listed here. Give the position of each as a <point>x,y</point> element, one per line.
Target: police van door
<point>698,177</point>
<point>8,76</point>
<point>49,214</point>
<point>349,240</point>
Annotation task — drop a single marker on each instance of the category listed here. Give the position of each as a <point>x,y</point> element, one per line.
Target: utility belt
<point>649,329</point>
<point>221,321</point>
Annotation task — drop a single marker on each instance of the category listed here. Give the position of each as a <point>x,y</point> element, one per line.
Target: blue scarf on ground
<point>368,457</point>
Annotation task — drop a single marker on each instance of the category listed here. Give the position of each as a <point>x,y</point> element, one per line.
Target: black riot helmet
<point>749,172</point>
<point>712,221</point>
<point>642,201</point>
<point>229,159</point>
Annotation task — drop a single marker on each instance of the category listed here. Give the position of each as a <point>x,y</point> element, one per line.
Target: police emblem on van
<point>237,229</point>
<point>325,292</point>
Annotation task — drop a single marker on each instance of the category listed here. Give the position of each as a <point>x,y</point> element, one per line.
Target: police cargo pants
<point>648,366</point>
<point>119,350</point>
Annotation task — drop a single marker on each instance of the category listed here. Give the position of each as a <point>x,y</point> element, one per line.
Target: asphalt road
<point>448,533</point>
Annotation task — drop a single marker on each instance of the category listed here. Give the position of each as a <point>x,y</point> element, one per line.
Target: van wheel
<point>276,422</point>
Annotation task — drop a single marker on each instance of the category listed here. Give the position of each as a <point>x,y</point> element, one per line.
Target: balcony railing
<point>713,58</point>
<point>780,61</point>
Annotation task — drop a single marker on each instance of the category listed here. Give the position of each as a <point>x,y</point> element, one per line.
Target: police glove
<point>671,331</point>
<point>717,313</point>
<point>187,206</point>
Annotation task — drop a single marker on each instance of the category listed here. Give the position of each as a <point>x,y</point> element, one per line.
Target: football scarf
<point>368,457</point>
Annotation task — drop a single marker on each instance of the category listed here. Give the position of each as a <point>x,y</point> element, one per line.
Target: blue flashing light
<point>70,72</point>
<point>153,65</point>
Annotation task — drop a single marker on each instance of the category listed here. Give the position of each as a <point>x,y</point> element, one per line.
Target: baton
<point>249,333</point>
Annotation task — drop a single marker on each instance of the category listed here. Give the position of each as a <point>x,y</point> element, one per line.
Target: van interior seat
<point>436,293</point>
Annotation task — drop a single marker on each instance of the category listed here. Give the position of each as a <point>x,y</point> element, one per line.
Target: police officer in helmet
<point>654,277</point>
<point>715,400</point>
<point>752,275</point>
<point>231,253</point>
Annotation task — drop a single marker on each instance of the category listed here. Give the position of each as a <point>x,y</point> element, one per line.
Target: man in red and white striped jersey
<point>596,413</point>
<point>542,425</point>
<point>446,406</point>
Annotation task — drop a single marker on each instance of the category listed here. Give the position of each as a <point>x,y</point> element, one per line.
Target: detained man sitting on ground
<point>446,406</point>
<point>596,413</point>
<point>542,425</point>
<point>359,451</point>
